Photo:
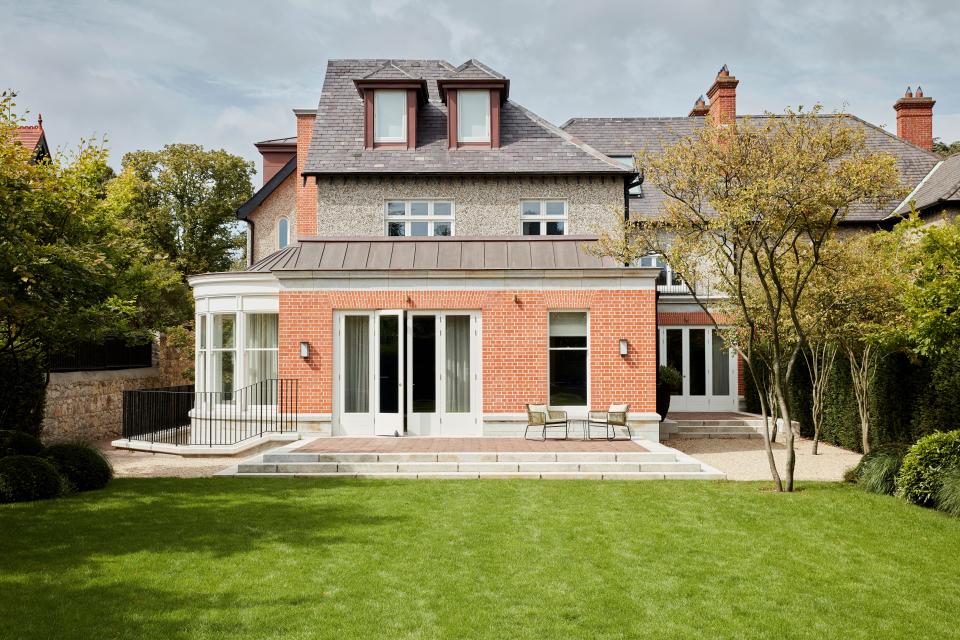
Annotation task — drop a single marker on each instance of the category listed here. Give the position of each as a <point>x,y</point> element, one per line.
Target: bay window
<point>223,355</point>
<point>473,115</point>
<point>236,350</point>
<point>568,358</point>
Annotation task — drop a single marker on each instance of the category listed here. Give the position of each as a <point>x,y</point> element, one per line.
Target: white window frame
<point>403,126</point>
<point>247,350</point>
<point>460,135</point>
<point>205,353</point>
<point>671,280</point>
<point>280,244</point>
<point>543,218</point>
<point>575,409</point>
<point>235,350</point>
<point>408,218</point>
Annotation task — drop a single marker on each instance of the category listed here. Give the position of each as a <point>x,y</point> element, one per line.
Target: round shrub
<point>83,467</point>
<point>948,497</point>
<point>25,478</point>
<point>19,443</point>
<point>923,467</point>
<point>878,469</point>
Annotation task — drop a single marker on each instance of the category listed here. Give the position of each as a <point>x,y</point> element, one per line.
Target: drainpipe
<point>249,241</point>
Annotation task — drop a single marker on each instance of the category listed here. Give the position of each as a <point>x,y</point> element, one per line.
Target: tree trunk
<point>862,371</point>
<point>771,460</point>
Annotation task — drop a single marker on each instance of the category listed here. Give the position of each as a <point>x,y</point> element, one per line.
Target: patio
<point>465,445</point>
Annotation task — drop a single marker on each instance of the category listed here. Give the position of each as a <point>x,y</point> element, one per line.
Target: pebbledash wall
<point>87,406</point>
<point>514,343</point>
<point>282,203</point>
<point>483,205</point>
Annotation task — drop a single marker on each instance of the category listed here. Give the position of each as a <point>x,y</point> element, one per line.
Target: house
<point>33,137</point>
<point>420,259</point>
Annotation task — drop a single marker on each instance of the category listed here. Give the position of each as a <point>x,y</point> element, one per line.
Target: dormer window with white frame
<point>389,116</point>
<point>543,217</point>
<point>473,116</point>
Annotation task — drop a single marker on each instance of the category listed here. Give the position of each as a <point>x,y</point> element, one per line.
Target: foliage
<point>933,300</point>
<point>83,467</point>
<point>749,209</point>
<point>182,340</point>
<point>877,470</point>
<point>19,443</point>
<point>72,265</point>
<point>26,478</point>
<point>185,198</point>
<point>671,377</point>
<point>948,497</point>
<point>935,403</point>
<point>923,467</point>
<point>23,390</point>
<point>945,150</point>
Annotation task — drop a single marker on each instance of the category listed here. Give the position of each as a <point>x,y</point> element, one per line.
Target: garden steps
<point>587,465</point>
<point>745,426</point>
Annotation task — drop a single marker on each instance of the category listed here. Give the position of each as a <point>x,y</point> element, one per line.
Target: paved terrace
<point>465,445</point>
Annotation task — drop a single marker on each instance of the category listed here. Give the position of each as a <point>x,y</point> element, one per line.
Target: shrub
<point>923,467</point>
<point>23,391</point>
<point>19,443</point>
<point>852,474</point>
<point>671,377</point>
<point>82,467</point>
<point>948,497</point>
<point>878,469</point>
<point>25,478</point>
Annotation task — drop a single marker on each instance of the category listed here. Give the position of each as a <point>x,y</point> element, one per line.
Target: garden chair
<point>539,416</point>
<point>615,416</point>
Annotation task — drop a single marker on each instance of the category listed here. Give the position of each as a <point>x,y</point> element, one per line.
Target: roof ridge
<point>891,135</point>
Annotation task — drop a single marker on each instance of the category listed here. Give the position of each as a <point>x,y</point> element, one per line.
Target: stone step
<point>259,466</point>
<point>714,429</point>
<point>463,457</point>
<point>464,475</point>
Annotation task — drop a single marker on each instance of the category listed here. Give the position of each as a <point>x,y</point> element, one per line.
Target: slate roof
<point>436,253</point>
<point>625,136</point>
<point>940,187</point>
<point>473,69</point>
<point>529,144</point>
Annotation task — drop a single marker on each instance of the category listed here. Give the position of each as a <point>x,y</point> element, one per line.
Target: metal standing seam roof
<point>436,253</point>
<point>625,136</point>
<point>528,144</point>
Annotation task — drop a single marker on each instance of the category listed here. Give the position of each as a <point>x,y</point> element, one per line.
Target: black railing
<point>182,416</point>
<point>103,356</point>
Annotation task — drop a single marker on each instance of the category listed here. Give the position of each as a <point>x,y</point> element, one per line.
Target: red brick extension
<point>514,341</point>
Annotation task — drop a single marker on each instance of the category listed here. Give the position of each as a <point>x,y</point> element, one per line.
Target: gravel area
<point>140,464</point>
<point>745,459</point>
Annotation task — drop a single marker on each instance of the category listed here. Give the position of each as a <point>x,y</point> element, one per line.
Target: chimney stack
<point>723,98</point>
<point>915,118</point>
<point>700,108</point>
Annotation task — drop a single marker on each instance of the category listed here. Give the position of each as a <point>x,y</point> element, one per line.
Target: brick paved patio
<point>455,445</point>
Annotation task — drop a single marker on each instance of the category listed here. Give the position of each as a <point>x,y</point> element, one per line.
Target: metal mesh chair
<point>615,416</point>
<point>541,417</point>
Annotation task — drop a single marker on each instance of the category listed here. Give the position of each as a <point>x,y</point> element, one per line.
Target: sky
<point>226,74</point>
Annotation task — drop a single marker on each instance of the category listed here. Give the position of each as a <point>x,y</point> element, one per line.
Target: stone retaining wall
<point>87,406</point>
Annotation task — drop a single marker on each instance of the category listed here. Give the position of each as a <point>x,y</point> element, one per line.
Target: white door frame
<point>387,424</point>
<point>708,401</point>
<point>352,424</point>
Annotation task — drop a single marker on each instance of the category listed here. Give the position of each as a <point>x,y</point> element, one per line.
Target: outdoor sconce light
<point>304,350</point>
<point>623,347</point>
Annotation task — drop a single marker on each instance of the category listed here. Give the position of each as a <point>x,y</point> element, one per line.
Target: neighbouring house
<point>420,264</point>
<point>32,137</point>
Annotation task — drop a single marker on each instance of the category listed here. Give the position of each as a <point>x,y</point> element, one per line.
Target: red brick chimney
<point>700,108</point>
<point>915,118</point>
<point>723,98</point>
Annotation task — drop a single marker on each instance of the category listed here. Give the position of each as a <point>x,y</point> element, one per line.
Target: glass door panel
<point>356,369</point>
<point>698,362</point>
<point>389,344</point>
<point>721,368</point>
<point>423,365</point>
<point>457,358</point>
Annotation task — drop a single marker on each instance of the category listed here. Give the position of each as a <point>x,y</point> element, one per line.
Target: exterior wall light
<point>304,350</point>
<point>624,346</point>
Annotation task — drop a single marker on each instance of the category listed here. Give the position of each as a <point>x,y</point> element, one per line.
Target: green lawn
<point>276,558</point>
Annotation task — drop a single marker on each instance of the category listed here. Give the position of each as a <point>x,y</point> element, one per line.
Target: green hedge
<point>18,443</point>
<point>26,478</point>
<point>83,467</point>
<point>921,477</point>
<point>23,391</point>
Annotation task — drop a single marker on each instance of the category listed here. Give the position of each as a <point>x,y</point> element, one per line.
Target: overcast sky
<point>225,74</point>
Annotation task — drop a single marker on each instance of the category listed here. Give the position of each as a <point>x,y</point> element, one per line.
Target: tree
<point>748,210</point>
<point>933,296</point>
<point>71,266</point>
<point>185,198</point>
<point>945,150</point>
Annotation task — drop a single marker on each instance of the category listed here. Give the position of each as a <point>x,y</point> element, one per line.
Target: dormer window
<point>389,116</point>
<point>473,116</point>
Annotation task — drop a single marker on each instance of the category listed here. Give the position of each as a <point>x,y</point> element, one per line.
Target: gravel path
<point>745,459</point>
<point>140,464</point>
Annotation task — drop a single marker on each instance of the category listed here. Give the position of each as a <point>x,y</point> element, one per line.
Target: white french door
<point>421,368</point>
<point>443,373</point>
<point>708,367</point>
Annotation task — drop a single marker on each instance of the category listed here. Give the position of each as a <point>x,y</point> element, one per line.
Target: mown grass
<point>275,558</point>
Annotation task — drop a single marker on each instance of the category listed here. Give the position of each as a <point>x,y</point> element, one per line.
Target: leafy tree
<point>945,150</point>
<point>933,297</point>
<point>71,266</point>
<point>185,199</point>
<point>749,208</point>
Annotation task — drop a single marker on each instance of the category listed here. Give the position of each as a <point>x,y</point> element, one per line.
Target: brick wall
<point>514,341</point>
<point>306,190</point>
